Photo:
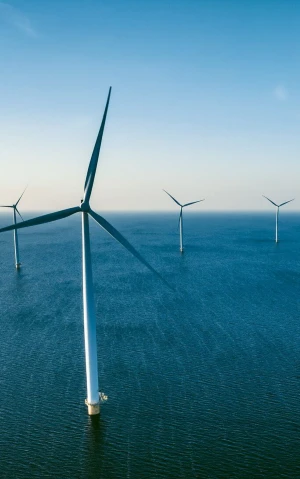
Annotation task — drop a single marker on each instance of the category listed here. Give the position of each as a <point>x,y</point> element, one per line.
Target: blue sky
<point>205,102</point>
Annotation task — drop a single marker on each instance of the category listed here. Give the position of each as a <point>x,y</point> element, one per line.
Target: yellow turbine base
<point>93,409</point>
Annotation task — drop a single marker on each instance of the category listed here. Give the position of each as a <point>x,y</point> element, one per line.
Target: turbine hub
<point>84,206</point>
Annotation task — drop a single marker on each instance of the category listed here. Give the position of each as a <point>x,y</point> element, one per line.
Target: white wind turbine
<point>16,242</point>
<point>180,223</point>
<point>89,314</point>
<point>277,214</point>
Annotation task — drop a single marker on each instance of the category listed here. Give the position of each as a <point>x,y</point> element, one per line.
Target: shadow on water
<point>19,277</point>
<point>95,430</point>
<point>94,446</point>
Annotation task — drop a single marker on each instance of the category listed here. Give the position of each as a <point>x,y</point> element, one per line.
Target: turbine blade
<point>193,202</point>
<point>21,195</point>
<point>270,200</point>
<point>19,214</point>
<point>43,219</point>
<point>172,197</point>
<point>120,238</point>
<point>286,202</point>
<point>6,206</point>
<point>89,181</point>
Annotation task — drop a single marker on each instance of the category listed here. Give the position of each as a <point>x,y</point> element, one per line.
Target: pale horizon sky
<point>205,103</point>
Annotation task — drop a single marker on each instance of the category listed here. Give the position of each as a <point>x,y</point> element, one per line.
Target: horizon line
<point>5,213</point>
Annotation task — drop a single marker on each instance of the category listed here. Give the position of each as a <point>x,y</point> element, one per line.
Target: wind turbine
<point>277,214</point>
<point>89,314</point>
<point>180,223</point>
<point>16,242</point>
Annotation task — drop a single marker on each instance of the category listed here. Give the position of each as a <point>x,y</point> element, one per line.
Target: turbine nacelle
<point>14,206</point>
<point>85,206</point>
<point>89,314</point>
<point>179,204</point>
<point>277,214</point>
<point>275,204</point>
<point>15,210</point>
<point>180,216</point>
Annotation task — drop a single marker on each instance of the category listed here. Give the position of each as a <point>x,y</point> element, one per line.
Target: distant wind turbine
<point>180,223</point>
<point>16,242</point>
<point>277,214</point>
<point>89,314</point>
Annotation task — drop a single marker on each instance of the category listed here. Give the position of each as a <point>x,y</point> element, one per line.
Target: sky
<point>205,103</point>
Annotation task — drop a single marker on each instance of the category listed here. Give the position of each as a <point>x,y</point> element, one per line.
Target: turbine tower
<point>16,242</point>
<point>89,315</point>
<point>277,214</point>
<point>180,223</point>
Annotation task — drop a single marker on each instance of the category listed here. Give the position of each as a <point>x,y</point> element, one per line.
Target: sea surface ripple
<point>202,382</point>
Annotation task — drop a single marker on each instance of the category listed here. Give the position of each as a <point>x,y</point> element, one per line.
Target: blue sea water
<point>202,383</point>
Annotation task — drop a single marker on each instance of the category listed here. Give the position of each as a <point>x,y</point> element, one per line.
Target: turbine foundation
<point>18,265</point>
<point>93,409</point>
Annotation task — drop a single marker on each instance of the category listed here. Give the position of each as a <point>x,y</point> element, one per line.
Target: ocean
<point>202,382</point>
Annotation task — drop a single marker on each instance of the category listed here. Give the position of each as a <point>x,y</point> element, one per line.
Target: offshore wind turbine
<point>277,214</point>
<point>16,241</point>
<point>89,314</point>
<point>180,222</point>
